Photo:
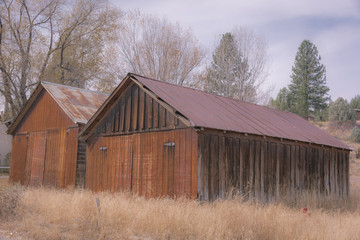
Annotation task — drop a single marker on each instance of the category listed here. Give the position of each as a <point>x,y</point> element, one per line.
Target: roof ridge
<point>203,91</point>
<point>70,112</point>
<point>72,87</point>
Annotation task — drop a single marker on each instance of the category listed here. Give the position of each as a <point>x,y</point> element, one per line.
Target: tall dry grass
<point>56,214</point>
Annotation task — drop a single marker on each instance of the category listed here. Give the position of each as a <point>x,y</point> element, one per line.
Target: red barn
<point>158,139</point>
<point>45,150</point>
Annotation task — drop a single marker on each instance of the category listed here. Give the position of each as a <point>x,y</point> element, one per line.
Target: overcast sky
<point>332,25</point>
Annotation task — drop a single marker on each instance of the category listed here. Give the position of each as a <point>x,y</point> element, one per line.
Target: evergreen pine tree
<point>282,100</point>
<point>308,92</point>
<point>228,73</point>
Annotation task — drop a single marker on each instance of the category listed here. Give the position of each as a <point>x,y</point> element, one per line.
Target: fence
<point>4,170</point>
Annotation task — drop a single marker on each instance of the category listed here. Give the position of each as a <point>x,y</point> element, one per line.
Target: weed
<point>80,214</point>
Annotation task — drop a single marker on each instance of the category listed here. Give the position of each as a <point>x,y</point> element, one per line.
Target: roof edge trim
<point>84,134</point>
<point>34,95</point>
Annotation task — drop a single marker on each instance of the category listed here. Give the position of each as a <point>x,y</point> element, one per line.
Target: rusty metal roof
<point>79,104</point>
<point>217,112</point>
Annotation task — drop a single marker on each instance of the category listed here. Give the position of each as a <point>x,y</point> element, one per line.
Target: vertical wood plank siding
<point>44,146</point>
<point>149,164</point>
<point>268,169</point>
<point>44,114</point>
<point>134,112</point>
<point>18,158</point>
<point>45,158</point>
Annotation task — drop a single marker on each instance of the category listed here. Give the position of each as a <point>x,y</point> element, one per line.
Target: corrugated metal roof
<point>79,104</point>
<point>217,112</point>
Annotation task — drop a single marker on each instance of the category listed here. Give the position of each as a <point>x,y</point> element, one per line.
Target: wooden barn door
<point>52,154</point>
<point>35,158</point>
<point>18,158</point>
<point>123,164</point>
<point>168,167</point>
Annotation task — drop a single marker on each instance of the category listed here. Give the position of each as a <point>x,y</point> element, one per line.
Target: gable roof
<point>78,104</point>
<point>208,110</point>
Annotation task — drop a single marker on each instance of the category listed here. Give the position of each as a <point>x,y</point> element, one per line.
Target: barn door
<point>52,156</point>
<point>18,158</point>
<point>35,157</point>
<point>123,156</point>
<point>168,165</point>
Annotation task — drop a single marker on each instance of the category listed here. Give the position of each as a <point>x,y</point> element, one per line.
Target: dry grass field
<point>56,214</point>
<point>39,213</point>
<point>4,181</point>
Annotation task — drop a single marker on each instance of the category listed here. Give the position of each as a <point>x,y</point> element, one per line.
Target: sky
<point>332,25</point>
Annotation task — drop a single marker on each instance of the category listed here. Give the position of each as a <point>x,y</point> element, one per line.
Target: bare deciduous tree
<point>158,49</point>
<point>53,40</point>
<point>82,37</point>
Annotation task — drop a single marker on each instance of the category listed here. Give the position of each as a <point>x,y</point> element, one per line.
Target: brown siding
<point>136,111</point>
<point>52,157</point>
<point>149,164</point>
<point>71,145</point>
<point>268,169</point>
<point>44,114</point>
<point>18,159</point>
<point>48,149</point>
<point>45,158</point>
<point>35,159</point>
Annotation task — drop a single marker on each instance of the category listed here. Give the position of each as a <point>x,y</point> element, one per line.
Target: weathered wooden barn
<point>45,149</point>
<point>158,139</point>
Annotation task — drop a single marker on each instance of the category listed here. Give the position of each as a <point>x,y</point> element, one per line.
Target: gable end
<point>137,110</point>
<point>42,113</point>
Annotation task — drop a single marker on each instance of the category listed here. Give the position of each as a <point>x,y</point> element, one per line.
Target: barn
<point>158,139</point>
<point>45,150</point>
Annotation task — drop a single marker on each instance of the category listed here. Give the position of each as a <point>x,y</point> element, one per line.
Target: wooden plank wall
<point>35,166</point>
<point>68,173</point>
<point>46,154</point>
<point>45,158</point>
<point>134,112</point>
<point>53,143</point>
<point>44,114</point>
<point>18,159</point>
<point>268,169</point>
<point>149,164</point>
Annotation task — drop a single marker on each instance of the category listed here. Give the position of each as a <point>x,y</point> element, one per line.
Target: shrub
<point>355,134</point>
<point>340,110</point>
<point>9,200</point>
